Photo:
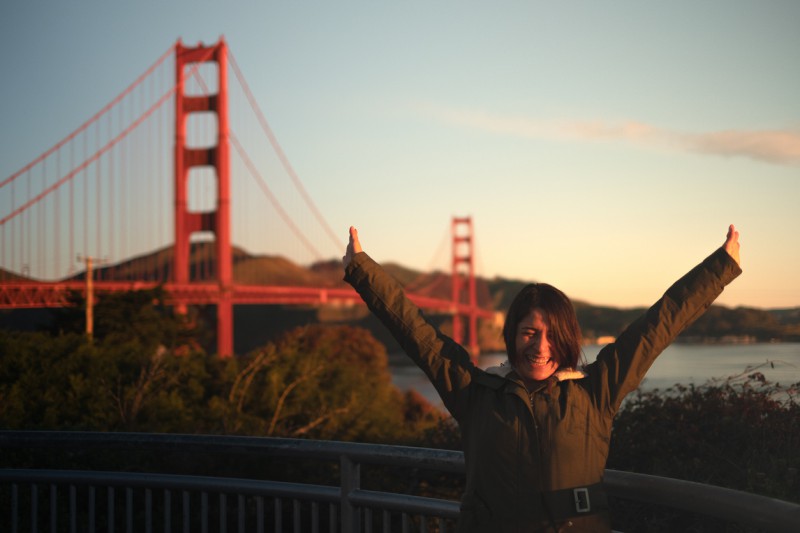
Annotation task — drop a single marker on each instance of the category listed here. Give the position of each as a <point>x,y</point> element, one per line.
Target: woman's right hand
<point>353,247</point>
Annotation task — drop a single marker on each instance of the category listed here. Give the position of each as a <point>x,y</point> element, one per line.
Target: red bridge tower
<point>464,283</point>
<point>218,221</point>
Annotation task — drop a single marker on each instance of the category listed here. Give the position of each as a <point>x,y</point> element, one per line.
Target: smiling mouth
<point>537,360</point>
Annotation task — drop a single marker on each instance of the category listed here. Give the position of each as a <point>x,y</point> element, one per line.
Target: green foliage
<point>742,433</point>
<point>127,379</point>
<point>719,321</point>
<point>143,372</point>
<point>64,382</point>
<point>319,382</point>
<point>598,321</point>
<point>42,380</point>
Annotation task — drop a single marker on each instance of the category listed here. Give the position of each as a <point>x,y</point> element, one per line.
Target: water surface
<point>680,363</point>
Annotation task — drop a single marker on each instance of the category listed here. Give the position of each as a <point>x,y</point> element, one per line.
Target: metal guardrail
<point>241,503</point>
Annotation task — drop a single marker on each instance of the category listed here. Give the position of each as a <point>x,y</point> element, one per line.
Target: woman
<point>536,430</point>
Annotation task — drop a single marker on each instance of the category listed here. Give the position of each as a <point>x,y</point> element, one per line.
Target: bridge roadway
<point>28,295</point>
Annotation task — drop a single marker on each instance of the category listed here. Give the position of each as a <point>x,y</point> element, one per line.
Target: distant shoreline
<point>401,359</point>
<point>681,363</point>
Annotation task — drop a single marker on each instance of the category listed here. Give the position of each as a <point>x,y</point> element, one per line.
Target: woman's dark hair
<point>563,330</point>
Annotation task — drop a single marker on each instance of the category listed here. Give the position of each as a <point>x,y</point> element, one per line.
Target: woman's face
<point>534,361</point>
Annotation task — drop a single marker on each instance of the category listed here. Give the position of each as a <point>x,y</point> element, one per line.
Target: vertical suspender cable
<point>123,196</point>
<point>85,209</point>
<point>160,173</point>
<point>3,265</point>
<point>140,221</point>
<point>41,234</point>
<point>146,95</point>
<point>71,255</point>
<point>22,235</point>
<point>26,260</point>
<point>16,227</point>
<point>14,255</point>
<point>10,265</point>
<point>152,235</point>
<point>111,174</point>
<point>3,253</point>
<point>57,227</point>
<point>145,222</point>
<point>97,196</point>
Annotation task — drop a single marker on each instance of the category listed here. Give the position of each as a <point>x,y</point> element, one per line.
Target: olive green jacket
<point>520,445</point>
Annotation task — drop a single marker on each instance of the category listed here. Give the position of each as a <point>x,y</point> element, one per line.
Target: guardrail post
<point>350,473</point>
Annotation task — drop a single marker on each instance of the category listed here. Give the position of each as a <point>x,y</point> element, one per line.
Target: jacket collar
<point>562,374</point>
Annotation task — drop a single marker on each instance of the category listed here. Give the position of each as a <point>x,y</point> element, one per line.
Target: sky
<point>600,147</point>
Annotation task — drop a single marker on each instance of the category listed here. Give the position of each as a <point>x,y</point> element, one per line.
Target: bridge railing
<point>80,500</point>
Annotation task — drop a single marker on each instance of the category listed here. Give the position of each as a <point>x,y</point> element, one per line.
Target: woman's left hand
<point>353,247</point>
<point>732,244</point>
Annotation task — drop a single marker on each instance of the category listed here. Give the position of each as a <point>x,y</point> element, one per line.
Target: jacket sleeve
<point>621,366</point>
<point>446,363</point>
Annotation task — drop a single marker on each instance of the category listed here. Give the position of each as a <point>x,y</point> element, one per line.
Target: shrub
<point>742,433</point>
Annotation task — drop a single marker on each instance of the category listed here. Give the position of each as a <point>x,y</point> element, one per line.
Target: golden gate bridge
<point>108,192</point>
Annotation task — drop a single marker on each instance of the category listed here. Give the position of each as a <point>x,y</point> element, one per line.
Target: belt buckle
<point>582,503</point>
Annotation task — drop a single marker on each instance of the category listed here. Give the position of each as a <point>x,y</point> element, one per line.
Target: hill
<point>7,275</point>
<point>256,324</point>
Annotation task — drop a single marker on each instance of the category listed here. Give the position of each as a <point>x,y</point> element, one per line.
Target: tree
<point>324,382</point>
<point>128,378</point>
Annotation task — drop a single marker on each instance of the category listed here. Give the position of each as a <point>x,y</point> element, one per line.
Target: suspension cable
<point>260,180</point>
<point>86,124</point>
<point>100,151</point>
<point>281,155</point>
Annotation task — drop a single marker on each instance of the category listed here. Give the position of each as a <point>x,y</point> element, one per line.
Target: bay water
<point>679,363</point>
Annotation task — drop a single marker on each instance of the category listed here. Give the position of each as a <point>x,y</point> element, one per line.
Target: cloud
<point>771,146</point>
<point>776,146</point>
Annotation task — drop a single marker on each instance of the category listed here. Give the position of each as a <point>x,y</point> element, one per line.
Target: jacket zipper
<point>541,462</point>
<point>533,413</point>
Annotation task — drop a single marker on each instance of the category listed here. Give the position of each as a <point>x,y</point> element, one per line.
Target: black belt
<point>577,501</point>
